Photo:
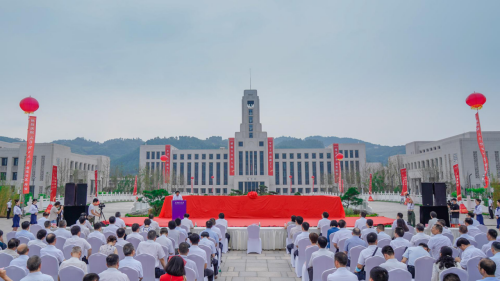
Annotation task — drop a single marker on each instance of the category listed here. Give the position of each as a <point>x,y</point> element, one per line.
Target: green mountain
<point>124,153</point>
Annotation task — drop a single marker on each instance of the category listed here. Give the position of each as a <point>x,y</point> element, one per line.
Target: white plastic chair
<point>145,235</point>
<point>34,228</point>
<point>326,273</point>
<point>483,228</point>
<point>383,242</point>
<point>399,252</point>
<point>182,237</point>
<point>190,274</point>
<point>50,266</point>
<point>399,275</point>
<point>253,240</point>
<point>23,240</point>
<point>408,236</point>
<point>472,269</point>
<point>185,228</point>
<point>481,240</point>
<point>15,273</point>
<point>60,242</point>
<point>97,263</point>
<point>463,275</point>
<point>411,229</point>
<point>308,253</point>
<point>148,263</point>
<point>107,234</point>
<point>95,244</point>
<point>419,241</point>
<point>302,244</point>
<point>71,273</point>
<point>134,241</point>
<point>372,262</point>
<point>120,251</point>
<point>67,251</point>
<point>425,268</point>
<point>450,236</point>
<point>11,235</point>
<point>224,240</point>
<point>208,254</point>
<point>130,272</point>
<point>332,248</point>
<point>354,254</point>
<point>5,260</point>
<point>34,250</point>
<point>321,264</point>
<point>199,262</point>
<point>324,230</point>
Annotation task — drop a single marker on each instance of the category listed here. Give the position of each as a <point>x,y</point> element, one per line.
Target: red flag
<point>135,187</point>
<point>95,180</point>
<point>481,147</point>
<point>370,188</point>
<point>30,148</point>
<point>335,151</point>
<point>403,174</point>
<point>53,188</point>
<point>231,147</point>
<point>462,207</point>
<point>270,157</point>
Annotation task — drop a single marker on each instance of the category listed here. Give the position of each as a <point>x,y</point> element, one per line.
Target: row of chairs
<point>400,274</point>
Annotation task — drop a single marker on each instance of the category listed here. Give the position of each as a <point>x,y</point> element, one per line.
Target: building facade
<point>251,160</point>
<point>71,167</point>
<point>433,161</point>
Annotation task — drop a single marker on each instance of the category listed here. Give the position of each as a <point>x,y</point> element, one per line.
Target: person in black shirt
<point>454,213</point>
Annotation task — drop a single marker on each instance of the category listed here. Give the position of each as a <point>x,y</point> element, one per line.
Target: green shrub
<point>297,193</point>
<point>155,198</point>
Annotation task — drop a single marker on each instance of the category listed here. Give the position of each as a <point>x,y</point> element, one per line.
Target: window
<point>189,156</point>
<point>328,155</point>
<point>475,164</point>
<point>42,167</point>
<point>351,153</point>
<point>299,174</point>
<point>241,143</point>
<point>291,167</point>
<point>284,173</point>
<point>250,111</point>
<point>218,173</point>
<point>277,173</point>
<point>16,161</point>
<point>153,155</point>
<point>251,119</point>
<point>211,156</point>
<point>321,155</point>
<point>356,153</point>
<point>251,135</point>
<point>203,156</point>
<point>218,156</point>
<point>306,172</point>
<point>306,156</point>
<point>251,128</point>
<point>313,156</point>
<point>291,155</point>
<point>277,156</point>
<point>225,156</point>
<point>4,161</point>
<point>196,156</point>
<point>147,155</point>
<point>181,156</point>
<point>261,143</point>
<point>204,166</point>
<point>174,173</point>
<point>240,163</point>
<point>196,172</point>
<point>261,163</point>
<point>225,165</point>
<point>314,171</point>
<point>188,173</point>
<point>158,154</point>
<point>174,156</point>
<point>211,173</point>
<point>345,154</point>
<point>3,176</point>
<point>163,152</point>
<point>284,155</point>
<point>14,176</point>
<point>322,173</point>
<point>299,156</point>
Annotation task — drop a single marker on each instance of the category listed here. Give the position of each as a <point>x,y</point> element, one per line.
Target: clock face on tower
<point>250,104</point>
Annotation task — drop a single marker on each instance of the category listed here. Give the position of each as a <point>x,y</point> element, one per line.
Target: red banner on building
<point>231,147</point>
<point>458,182</point>
<point>335,151</point>
<point>403,175</point>
<point>481,146</point>
<point>95,181</point>
<point>270,156</point>
<point>167,164</point>
<point>370,188</point>
<point>135,187</point>
<point>30,149</point>
<point>53,188</point>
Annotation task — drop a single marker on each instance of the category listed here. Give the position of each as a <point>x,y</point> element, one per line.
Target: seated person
<point>184,249</point>
<point>342,272</point>
<point>165,241</point>
<point>147,226</point>
<point>472,230</point>
<point>468,251</point>
<point>399,216</point>
<point>11,250</point>
<point>495,257</point>
<point>109,248</point>
<point>323,251</point>
<point>135,232</point>
<point>369,223</point>
<point>174,270</point>
<point>445,261</point>
<point>433,220</point>
<point>487,268</point>
<point>25,232</point>
<point>354,241</point>
<point>151,247</point>
<point>445,228</point>
<point>47,226</point>
<point>83,227</point>
<point>112,273</point>
<point>333,229</point>
<point>61,231</point>
<point>463,231</point>
<point>129,260</point>
<point>75,260</point>
<point>492,235</point>
<point>391,261</point>
<point>365,254</point>
<point>39,241</point>
<point>412,253</point>
<point>419,234</point>
<point>399,240</point>
<point>381,234</point>
<point>51,248</point>
<point>21,261</point>
<point>377,274</point>
<point>112,227</point>
<point>437,241</point>
<point>34,267</point>
<point>98,227</point>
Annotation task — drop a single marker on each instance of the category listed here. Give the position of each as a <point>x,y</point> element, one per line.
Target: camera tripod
<point>101,215</point>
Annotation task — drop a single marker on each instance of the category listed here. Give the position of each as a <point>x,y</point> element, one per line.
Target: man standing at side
<point>411,216</point>
<point>454,213</point>
<point>92,213</point>
<point>491,212</point>
<point>9,207</point>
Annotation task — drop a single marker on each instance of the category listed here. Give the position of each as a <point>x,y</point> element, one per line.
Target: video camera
<point>101,205</point>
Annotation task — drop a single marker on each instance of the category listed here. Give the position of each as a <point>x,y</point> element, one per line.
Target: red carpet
<point>233,222</point>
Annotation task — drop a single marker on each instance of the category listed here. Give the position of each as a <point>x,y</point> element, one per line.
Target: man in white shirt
<point>112,227</point>
<point>25,232</point>
<point>75,260</point>
<point>323,221</point>
<point>181,230</point>
<point>11,248</point>
<point>146,227</point>
<point>184,250</point>
<point>129,260</point>
<point>432,221</point>
<point>369,252</point>
<point>112,273</point>
<point>21,261</point>
<point>472,230</point>
<point>164,241</point>
<point>177,196</point>
<point>471,215</point>
<point>61,231</point>
<point>399,240</point>
<point>205,241</point>
<point>378,274</point>
<point>83,228</point>
<point>121,234</point>
<point>92,211</point>
<point>437,241</point>
<point>39,241</point>
<point>492,234</point>
<point>75,240</point>
<point>135,233</point>
<point>413,253</point>
<point>87,223</point>
<point>322,251</point>
<point>394,224</point>
<point>361,221</point>
<point>188,223</point>
<point>463,231</point>
<point>468,251</point>
<point>118,221</point>
<point>34,265</point>
<point>224,223</point>
<point>495,257</point>
<point>195,250</point>
<point>154,225</point>
<point>444,227</point>
<point>341,234</point>
<point>173,233</point>
<point>304,234</point>
<point>341,273</point>
<point>419,234</point>
<point>48,225</point>
<point>381,234</point>
<point>51,248</point>
<point>369,223</point>
<point>391,261</point>
<point>491,212</point>
<point>97,233</point>
<point>44,218</point>
<point>9,208</point>
<point>154,249</point>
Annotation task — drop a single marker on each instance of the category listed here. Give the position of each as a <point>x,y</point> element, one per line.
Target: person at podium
<point>177,196</point>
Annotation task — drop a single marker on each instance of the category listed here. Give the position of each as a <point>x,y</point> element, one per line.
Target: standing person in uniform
<point>17,215</point>
<point>34,211</point>
<point>491,213</point>
<point>478,211</point>
<point>454,208</point>
<point>411,216</point>
<point>9,207</point>
<point>497,215</point>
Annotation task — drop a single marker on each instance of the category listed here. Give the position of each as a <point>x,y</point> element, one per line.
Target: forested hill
<point>124,153</point>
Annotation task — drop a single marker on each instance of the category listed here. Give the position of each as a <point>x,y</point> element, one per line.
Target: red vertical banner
<point>270,157</point>
<point>231,147</point>
<point>95,181</point>
<point>403,175</point>
<point>481,147</point>
<point>135,187</point>
<point>167,164</point>
<point>30,149</point>
<point>458,182</point>
<point>342,183</point>
<point>370,188</point>
<point>53,188</point>
<point>335,151</point>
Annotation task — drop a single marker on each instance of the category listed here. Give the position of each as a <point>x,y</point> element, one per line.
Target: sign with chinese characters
<point>231,147</point>
<point>481,146</point>
<point>95,181</point>
<point>53,188</point>
<point>270,156</point>
<point>458,183</point>
<point>30,149</point>
<point>335,151</point>
<point>403,174</point>
<point>167,164</point>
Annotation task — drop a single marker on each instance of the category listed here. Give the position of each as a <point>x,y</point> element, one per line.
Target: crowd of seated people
<point>171,247</point>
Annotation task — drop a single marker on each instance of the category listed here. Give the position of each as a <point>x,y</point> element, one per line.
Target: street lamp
<point>290,180</point>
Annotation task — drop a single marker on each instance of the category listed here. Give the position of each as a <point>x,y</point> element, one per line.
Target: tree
<point>155,198</point>
<point>263,189</point>
<point>350,197</point>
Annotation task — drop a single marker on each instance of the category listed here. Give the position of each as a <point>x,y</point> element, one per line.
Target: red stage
<point>270,210</point>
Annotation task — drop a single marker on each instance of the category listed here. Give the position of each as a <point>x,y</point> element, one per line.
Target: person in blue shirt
<point>34,211</point>
<point>212,234</point>
<point>487,269</point>
<point>495,257</point>
<point>26,231</point>
<point>2,244</point>
<point>17,215</point>
<point>334,228</point>
<point>354,241</point>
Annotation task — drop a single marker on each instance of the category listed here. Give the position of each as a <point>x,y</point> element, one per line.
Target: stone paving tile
<point>248,273</point>
<point>269,274</point>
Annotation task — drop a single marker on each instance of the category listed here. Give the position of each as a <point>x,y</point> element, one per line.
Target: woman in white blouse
<point>109,247</point>
<point>445,261</point>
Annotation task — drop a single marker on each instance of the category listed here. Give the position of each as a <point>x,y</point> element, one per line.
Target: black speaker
<point>442,213</point>
<point>72,213</point>
<point>81,194</point>
<point>69,194</point>
<point>427,192</point>
<point>439,194</point>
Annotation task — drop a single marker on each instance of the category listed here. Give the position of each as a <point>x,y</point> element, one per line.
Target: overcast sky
<point>387,72</point>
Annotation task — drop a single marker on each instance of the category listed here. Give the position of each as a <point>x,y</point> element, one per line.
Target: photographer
<point>92,210</point>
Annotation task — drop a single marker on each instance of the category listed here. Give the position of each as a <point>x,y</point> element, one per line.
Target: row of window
<point>429,149</point>
<point>3,176</point>
<point>306,155</point>
<point>152,154</point>
<point>5,161</point>
<point>179,177</point>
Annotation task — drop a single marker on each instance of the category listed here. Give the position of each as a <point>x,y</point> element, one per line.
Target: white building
<point>250,162</point>
<point>71,167</point>
<point>433,161</point>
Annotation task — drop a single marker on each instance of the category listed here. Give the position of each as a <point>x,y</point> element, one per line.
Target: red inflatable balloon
<point>252,195</point>
<point>339,156</point>
<point>163,158</point>
<point>29,105</point>
<point>476,100</point>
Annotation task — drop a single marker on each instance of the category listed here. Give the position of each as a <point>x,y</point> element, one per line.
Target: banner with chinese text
<point>167,164</point>
<point>403,174</point>
<point>231,147</point>
<point>53,189</point>
<point>30,149</point>
<point>335,151</point>
<point>270,156</point>
<point>481,146</point>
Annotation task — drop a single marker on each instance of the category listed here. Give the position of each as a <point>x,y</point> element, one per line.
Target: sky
<point>387,72</point>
